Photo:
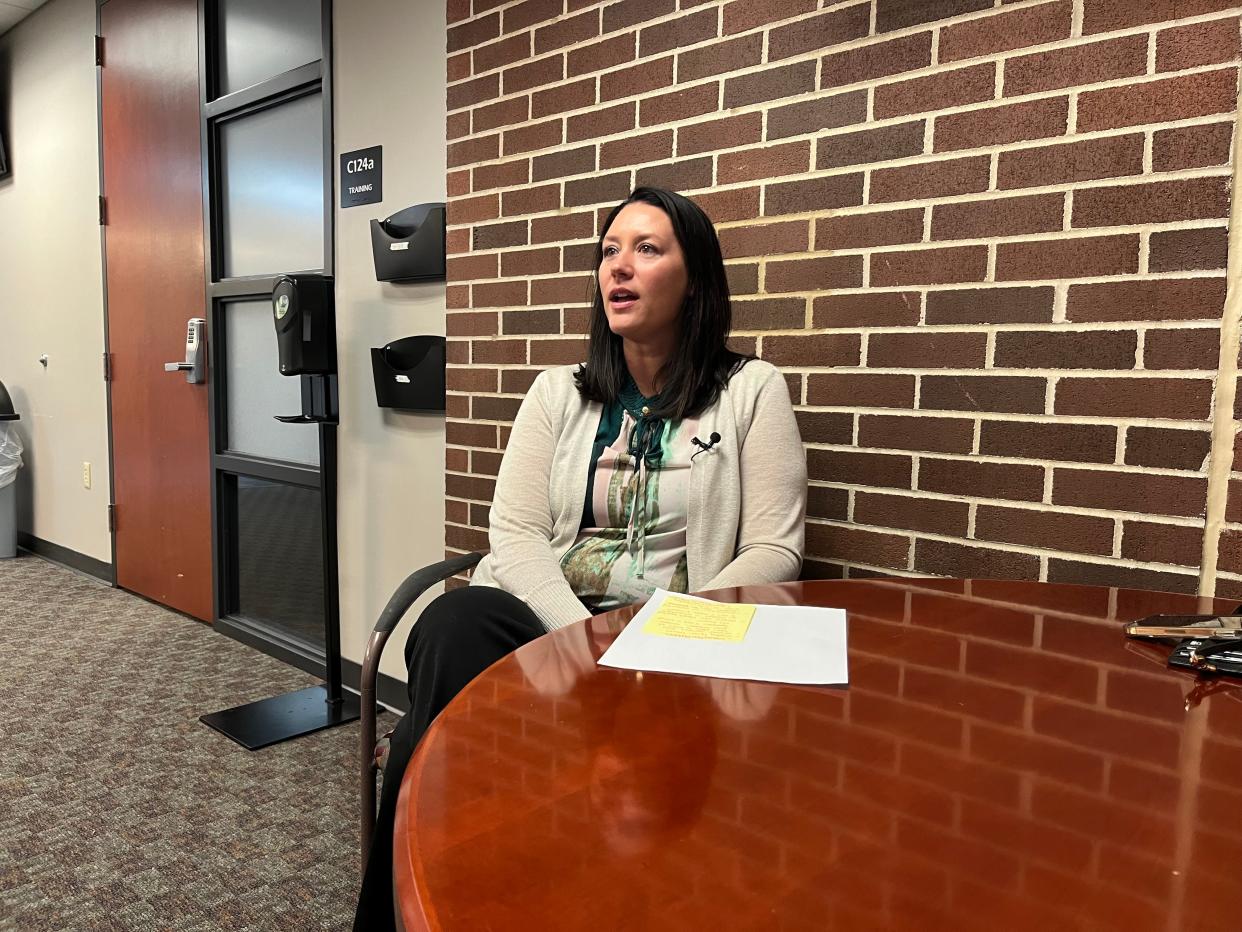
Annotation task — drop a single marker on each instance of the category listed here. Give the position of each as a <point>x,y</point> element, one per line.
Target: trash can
<point>10,462</point>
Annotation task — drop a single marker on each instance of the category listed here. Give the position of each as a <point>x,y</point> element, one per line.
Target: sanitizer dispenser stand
<point>302,311</point>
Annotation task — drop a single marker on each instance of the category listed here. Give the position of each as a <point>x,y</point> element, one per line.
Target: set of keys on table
<point>1209,643</point>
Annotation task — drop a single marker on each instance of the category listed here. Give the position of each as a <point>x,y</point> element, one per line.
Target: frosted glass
<point>271,189</point>
<point>261,40</point>
<point>256,390</point>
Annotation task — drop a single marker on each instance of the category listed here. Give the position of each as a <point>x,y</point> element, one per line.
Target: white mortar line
<point>1009,459</point>
<point>1003,546</point>
<point>1013,504</point>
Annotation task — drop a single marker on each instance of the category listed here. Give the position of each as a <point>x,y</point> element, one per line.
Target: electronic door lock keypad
<point>195,364</point>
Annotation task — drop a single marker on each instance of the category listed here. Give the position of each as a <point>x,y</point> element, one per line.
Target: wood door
<point>152,167</point>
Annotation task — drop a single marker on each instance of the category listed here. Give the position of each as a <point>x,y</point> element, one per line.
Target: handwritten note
<point>694,618</point>
<point>782,643</point>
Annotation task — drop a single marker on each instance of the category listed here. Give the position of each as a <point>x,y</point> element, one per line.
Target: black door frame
<point>217,110</point>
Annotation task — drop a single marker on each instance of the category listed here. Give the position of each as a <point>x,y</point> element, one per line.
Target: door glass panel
<point>260,40</point>
<point>280,557</point>
<point>271,190</point>
<point>256,391</point>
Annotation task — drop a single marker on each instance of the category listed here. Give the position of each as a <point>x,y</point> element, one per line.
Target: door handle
<point>195,364</point>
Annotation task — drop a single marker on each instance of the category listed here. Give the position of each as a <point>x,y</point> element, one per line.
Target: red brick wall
<point>986,242</point>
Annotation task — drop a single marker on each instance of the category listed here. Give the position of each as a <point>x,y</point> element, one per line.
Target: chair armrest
<point>416,584</point>
<point>406,595</point>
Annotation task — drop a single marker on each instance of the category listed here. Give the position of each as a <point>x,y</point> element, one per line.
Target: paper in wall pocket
<point>409,373</point>
<point>409,246</point>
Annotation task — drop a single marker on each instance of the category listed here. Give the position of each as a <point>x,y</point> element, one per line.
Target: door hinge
<point>99,55</point>
<point>107,367</point>
<point>111,517</point>
<point>103,211</point>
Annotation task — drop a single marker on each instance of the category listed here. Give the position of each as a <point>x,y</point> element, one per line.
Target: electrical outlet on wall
<point>86,475</point>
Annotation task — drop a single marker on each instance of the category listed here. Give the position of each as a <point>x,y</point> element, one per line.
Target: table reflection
<point>1002,758</point>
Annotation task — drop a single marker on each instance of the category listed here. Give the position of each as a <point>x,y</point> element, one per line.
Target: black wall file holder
<point>409,374</point>
<point>409,245</point>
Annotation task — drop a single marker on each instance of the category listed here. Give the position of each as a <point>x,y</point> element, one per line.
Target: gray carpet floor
<point>119,810</point>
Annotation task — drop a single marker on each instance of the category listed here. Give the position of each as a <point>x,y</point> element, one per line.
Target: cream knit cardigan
<point>747,495</point>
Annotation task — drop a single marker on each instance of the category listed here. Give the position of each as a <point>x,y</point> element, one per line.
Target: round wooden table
<point>1002,759</point>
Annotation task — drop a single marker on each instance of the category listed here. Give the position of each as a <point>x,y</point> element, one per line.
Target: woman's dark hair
<point>702,364</point>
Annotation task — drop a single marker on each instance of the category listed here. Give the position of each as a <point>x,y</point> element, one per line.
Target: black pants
<point>456,638</point>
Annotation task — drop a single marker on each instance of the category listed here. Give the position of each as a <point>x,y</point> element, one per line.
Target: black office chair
<point>406,595</point>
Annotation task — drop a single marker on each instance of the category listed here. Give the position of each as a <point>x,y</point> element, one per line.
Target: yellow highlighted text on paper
<point>708,621</point>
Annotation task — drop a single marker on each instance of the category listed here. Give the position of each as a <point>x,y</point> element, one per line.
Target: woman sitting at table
<point>664,461</point>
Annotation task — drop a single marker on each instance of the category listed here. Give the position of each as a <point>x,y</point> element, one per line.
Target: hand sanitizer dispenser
<point>303,311</point>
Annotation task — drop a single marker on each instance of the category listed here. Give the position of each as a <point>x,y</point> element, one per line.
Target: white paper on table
<point>784,644</point>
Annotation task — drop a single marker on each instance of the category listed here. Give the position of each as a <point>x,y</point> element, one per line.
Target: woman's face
<point>642,276</point>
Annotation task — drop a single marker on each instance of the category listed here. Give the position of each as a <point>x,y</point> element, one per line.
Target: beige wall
<point>389,91</point>
<point>51,281</point>
<point>389,80</point>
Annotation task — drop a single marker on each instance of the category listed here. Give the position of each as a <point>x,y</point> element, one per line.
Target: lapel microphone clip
<point>713,439</point>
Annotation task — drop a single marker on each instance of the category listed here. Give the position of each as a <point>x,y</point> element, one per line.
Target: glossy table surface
<point>1002,759</point>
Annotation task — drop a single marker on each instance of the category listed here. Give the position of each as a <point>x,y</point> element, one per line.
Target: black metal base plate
<point>270,721</point>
